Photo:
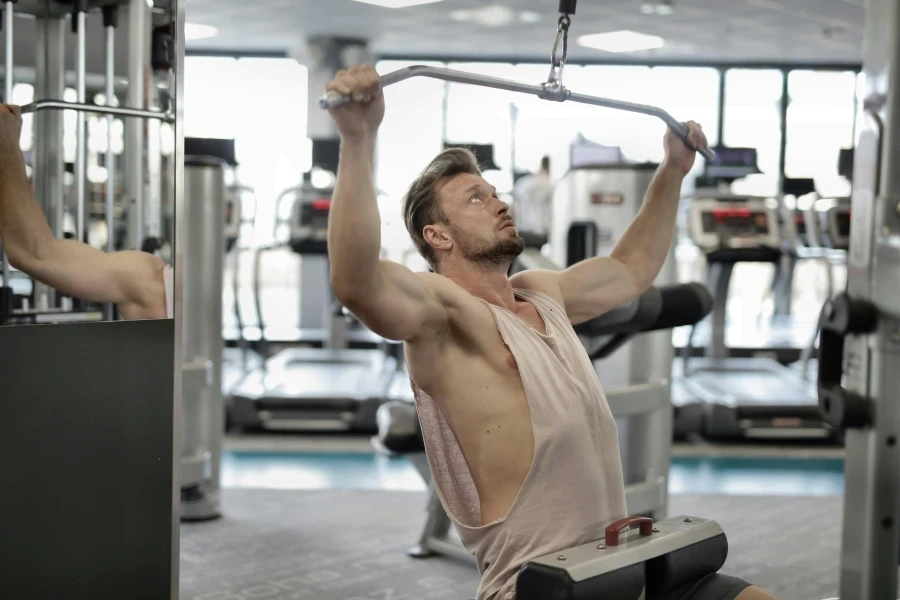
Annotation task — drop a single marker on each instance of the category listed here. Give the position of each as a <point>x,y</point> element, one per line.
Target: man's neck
<point>491,285</point>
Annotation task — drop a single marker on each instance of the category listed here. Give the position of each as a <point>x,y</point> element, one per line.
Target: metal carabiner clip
<point>553,87</point>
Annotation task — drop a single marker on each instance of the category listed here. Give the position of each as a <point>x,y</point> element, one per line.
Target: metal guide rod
<point>138,45</point>
<point>110,14</point>
<point>561,94</point>
<point>102,110</point>
<point>110,121</point>
<point>7,97</point>
<point>81,122</point>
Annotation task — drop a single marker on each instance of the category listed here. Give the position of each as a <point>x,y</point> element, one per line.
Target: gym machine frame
<point>552,89</point>
<point>859,348</point>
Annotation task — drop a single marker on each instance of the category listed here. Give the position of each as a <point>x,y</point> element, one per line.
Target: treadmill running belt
<point>755,388</point>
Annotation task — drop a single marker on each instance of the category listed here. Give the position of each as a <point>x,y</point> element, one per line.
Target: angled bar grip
<point>559,94</point>
<point>102,110</point>
<point>613,530</point>
<point>841,316</point>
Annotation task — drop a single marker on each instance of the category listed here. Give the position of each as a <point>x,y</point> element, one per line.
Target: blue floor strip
<point>369,471</point>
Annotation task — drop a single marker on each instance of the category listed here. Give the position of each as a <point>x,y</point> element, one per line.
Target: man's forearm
<point>354,226</point>
<point>645,245</point>
<point>23,226</point>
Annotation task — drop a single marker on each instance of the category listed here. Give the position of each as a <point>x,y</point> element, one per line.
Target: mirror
<point>91,195</point>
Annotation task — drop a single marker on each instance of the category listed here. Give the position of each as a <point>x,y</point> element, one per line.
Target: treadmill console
<point>835,223</point>
<point>734,224</point>
<point>309,223</point>
<point>232,219</point>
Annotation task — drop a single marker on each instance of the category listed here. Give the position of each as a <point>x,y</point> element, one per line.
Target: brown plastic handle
<point>612,531</point>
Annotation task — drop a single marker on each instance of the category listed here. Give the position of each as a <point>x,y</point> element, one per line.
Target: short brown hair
<point>421,206</point>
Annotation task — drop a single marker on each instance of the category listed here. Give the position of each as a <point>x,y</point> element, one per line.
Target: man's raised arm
<point>600,284</point>
<point>387,297</point>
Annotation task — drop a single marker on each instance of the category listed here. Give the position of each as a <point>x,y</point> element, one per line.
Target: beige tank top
<point>575,486</point>
<point>169,284</point>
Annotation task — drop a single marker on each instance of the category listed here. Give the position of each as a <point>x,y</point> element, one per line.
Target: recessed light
<point>657,7</point>
<point>528,16</point>
<point>621,41</point>
<point>192,31</point>
<point>486,16</point>
<point>397,3</point>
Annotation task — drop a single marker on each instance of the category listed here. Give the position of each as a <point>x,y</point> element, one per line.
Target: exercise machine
<point>741,397</point>
<point>334,388</point>
<point>826,235</point>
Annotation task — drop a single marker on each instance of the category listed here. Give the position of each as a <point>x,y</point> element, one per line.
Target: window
<point>819,124</point>
<point>483,115</point>
<point>544,127</point>
<point>753,119</point>
<point>268,107</point>
<point>688,94</point>
<point>409,137</point>
<point>261,103</point>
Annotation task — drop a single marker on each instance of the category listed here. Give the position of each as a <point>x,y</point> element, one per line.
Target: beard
<point>488,254</point>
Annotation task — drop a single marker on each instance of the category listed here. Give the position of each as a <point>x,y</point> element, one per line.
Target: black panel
<point>326,153</point>
<point>581,242</point>
<point>86,456</point>
<point>484,154</point>
<point>539,582</point>
<point>217,148</point>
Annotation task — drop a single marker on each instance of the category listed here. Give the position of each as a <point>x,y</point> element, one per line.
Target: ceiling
<point>782,31</point>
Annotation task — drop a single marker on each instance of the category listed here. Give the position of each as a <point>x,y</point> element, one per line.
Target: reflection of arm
<point>132,280</point>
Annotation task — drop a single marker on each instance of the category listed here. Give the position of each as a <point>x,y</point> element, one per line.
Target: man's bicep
<point>400,305</point>
<point>595,286</point>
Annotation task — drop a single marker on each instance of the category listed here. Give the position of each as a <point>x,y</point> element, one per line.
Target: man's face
<point>480,227</point>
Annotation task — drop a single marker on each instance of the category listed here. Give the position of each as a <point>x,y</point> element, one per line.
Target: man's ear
<point>438,237</point>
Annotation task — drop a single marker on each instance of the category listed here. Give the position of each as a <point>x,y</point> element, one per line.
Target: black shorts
<point>714,586</point>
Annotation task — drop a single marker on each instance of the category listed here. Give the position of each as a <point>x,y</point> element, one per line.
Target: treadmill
<point>333,388</point>
<point>828,230</point>
<point>742,398</point>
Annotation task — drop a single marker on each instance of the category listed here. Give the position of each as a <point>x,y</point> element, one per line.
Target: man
<point>138,283</point>
<point>521,442</point>
<point>533,205</point>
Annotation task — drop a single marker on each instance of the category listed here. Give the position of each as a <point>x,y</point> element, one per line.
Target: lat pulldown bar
<point>552,89</point>
<point>560,94</point>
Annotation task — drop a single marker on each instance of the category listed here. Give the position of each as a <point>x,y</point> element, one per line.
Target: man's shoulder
<point>541,281</point>
<point>449,292</point>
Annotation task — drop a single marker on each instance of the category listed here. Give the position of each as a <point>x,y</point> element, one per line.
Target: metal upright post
<point>110,21</point>
<point>859,351</point>
<point>78,22</point>
<point>6,293</point>
<point>138,17</point>
<point>48,136</point>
